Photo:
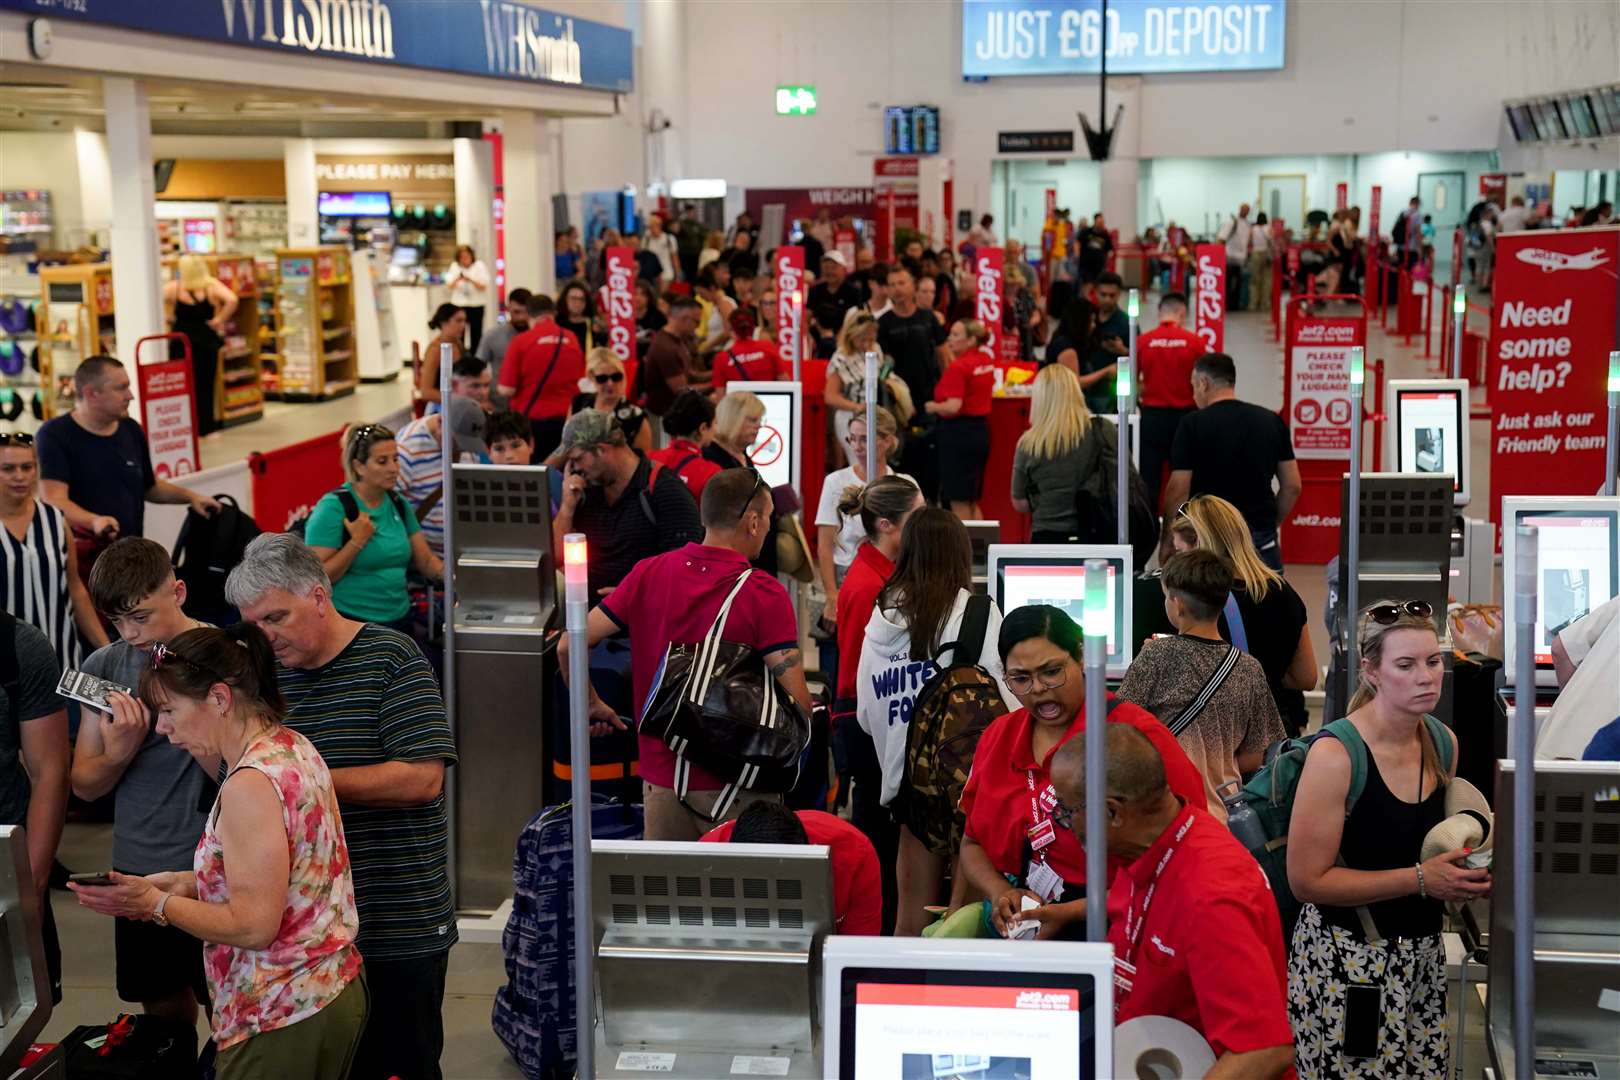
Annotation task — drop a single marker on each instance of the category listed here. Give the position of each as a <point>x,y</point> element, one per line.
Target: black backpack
<point>1096,501</point>
<point>206,551</point>
<point>1398,232</point>
<point>351,510</point>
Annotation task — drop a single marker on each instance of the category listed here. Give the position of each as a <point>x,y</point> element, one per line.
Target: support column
<point>530,175</point>
<point>475,196</point>
<point>136,273</point>
<point>303,220</point>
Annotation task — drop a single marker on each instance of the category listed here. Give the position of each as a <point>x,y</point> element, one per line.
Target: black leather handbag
<point>715,705</point>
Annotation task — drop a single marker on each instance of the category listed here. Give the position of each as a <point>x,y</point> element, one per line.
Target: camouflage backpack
<point>952,710</point>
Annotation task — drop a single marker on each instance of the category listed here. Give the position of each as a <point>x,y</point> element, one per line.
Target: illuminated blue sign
<point>1064,37</point>
<point>492,38</point>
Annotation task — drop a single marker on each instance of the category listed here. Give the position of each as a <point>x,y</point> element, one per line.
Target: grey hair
<point>275,561</point>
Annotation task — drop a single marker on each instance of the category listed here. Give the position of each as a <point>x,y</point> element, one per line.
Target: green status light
<point>1459,301</point>
<point>1133,304</point>
<point>1358,365</point>
<point>795,101</point>
<point>1122,380</point>
<point>1614,372</point>
<point>1097,617</point>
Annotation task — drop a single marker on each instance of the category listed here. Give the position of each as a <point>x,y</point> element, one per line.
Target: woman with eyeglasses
<point>38,559</point>
<point>367,554</point>
<point>1018,841</point>
<point>838,535</point>
<point>1367,972</point>
<point>737,420</point>
<point>271,891</point>
<point>845,393</point>
<point>604,368</point>
<point>918,616</point>
<point>1271,623</point>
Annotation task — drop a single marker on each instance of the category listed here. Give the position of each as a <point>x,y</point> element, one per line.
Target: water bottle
<point>1241,818</point>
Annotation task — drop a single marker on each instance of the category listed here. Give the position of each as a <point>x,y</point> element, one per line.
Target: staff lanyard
<point>1133,926</point>
<point>1042,830</point>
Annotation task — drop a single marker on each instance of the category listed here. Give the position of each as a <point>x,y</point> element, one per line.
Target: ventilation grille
<point>644,900</point>
<point>1404,511</point>
<point>509,500</point>
<point>1585,836</point>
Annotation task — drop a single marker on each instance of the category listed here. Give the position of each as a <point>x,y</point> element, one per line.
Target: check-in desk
<point>506,596</point>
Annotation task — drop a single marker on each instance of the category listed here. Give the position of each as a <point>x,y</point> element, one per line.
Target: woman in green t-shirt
<point>366,555</point>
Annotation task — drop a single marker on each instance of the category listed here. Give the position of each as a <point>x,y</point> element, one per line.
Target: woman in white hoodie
<point>919,610</point>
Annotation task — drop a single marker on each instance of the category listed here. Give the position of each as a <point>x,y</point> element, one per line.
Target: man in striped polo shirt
<point>366,698</point>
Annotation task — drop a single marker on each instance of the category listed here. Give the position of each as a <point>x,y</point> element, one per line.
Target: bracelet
<point>1423,892</point>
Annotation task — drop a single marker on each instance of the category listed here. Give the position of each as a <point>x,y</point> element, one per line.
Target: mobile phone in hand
<point>97,879</point>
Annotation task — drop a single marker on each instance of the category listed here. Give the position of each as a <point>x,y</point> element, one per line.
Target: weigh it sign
<point>790,302</point>
<point>1554,322</point>
<point>1211,320</point>
<point>1319,386</point>
<point>621,279</point>
<point>168,412</point>
<point>987,273</point>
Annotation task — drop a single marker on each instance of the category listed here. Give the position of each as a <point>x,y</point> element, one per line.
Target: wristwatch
<point>157,912</point>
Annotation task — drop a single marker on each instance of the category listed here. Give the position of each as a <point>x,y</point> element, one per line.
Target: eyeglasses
<point>162,654</point>
<point>16,438</point>
<point>1063,816</point>
<point>1390,614</point>
<point>1050,677</point>
<point>611,377</point>
<point>759,482</point>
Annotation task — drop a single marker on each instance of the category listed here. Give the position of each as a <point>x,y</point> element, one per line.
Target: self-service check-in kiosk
<point>1428,435</point>
<point>707,957</point>
<point>506,593</point>
<point>25,985</point>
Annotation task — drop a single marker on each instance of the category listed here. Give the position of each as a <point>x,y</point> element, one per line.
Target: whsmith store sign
<point>490,38</point>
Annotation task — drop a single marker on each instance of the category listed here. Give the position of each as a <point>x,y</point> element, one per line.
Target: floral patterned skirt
<point>1410,973</point>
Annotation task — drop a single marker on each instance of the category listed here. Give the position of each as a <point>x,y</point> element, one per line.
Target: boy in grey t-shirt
<point>161,794</point>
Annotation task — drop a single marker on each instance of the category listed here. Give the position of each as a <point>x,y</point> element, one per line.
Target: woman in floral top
<point>289,993</point>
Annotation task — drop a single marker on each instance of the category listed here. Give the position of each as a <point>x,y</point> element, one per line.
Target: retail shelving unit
<point>269,343</point>
<point>238,393</point>
<point>75,322</point>
<point>315,323</point>
<point>22,405</point>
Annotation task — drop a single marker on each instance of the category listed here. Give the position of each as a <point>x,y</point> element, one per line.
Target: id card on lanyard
<point>1040,877</point>
<point>1125,961</point>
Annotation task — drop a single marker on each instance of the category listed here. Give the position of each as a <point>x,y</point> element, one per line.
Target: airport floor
<point>471,1050</point>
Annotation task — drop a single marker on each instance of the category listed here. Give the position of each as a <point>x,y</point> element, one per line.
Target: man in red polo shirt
<point>1165,356</point>
<point>1192,920</point>
<point>674,598</point>
<point>541,374</point>
<point>857,889</point>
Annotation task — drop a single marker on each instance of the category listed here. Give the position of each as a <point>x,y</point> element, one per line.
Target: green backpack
<point>1270,794</point>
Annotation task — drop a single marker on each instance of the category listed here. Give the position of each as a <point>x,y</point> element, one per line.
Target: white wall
<point>49,161</point>
<point>1366,77</point>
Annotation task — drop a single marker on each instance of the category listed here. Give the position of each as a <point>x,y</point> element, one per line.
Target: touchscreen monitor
<point>1577,563</point>
<point>1056,574</point>
<point>1430,430</point>
<point>775,451</point>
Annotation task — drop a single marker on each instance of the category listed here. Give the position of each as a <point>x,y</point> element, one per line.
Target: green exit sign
<point>795,101</point>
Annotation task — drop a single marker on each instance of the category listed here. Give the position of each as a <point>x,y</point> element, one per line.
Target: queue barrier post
<point>1524,788</point>
<point>1097,620</point>
<point>1428,325</point>
<point>448,498</point>
<point>1377,416</point>
<point>1352,572</point>
<point>1459,319</point>
<point>1612,446</point>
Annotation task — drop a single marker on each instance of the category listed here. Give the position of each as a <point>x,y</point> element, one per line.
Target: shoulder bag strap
<point>425,507</point>
<point>551,366</point>
<point>970,636</point>
<point>1191,712</point>
<point>1440,735</point>
<point>709,648</point>
<point>1234,623</point>
<point>1343,730</point>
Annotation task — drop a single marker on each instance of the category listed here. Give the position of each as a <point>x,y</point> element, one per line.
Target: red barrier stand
<point>1009,419</point>
<point>169,409</point>
<point>288,481</point>
<point>1316,407</point>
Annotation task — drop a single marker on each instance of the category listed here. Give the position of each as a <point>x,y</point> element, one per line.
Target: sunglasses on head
<point>367,434</point>
<point>610,377</point>
<point>1389,614</point>
<point>16,438</point>
<point>759,482</point>
<point>162,654</point>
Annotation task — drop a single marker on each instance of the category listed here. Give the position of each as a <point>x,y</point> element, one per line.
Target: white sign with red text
<point>168,412</point>
<point>1210,323</point>
<point>1319,387</point>
<point>988,270</point>
<point>621,283</point>
<point>790,298</point>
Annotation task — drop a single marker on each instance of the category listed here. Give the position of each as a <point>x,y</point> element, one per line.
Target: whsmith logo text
<point>355,27</point>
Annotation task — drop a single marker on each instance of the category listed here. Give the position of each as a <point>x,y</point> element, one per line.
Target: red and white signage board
<point>621,283</point>
<point>988,272</point>
<point>844,241</point>
<point>1318,390</point>
<point>1210,322</point>
<point>1553,324</point>
<point>169,414</point>
<point>790,298</point>
<point>1341,196</point>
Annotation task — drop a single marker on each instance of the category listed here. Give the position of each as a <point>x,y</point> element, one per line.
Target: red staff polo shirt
<point>996,798</point>
<point>971,377</point>
<point>544,365</point>
<point>857,596</point>
<point>1166,355</point>
<point>673,598</point>
<point>751,361</point>
<point>857,886</point>
<point>1210,952</point>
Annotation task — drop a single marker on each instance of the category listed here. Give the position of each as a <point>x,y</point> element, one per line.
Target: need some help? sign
<point>1065,37</point>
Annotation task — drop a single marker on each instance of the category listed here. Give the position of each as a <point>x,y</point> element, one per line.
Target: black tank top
<point>191,319</point>
<point>1385,833</point>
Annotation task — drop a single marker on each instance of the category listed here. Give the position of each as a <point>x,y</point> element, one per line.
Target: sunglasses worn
<point>603,380</point>
<point>1389,614</point>
<point>16,438</point>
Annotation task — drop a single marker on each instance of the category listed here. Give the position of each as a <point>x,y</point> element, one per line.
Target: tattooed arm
<point>787,667</point>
